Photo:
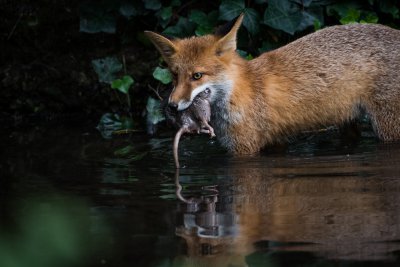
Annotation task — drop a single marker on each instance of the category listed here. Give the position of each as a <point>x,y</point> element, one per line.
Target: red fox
<point>322,78</point>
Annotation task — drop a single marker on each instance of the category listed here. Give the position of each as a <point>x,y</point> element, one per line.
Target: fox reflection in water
<point>346,210</point>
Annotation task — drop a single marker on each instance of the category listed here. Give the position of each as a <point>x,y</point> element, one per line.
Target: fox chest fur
<point>321,79</point>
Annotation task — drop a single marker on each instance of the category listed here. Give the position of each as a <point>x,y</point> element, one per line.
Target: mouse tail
<point>176,146</point>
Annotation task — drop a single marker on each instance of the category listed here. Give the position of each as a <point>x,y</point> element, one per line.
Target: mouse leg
<point>206,128</point>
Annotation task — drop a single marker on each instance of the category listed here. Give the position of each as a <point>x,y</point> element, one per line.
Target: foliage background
<point>90,61</point>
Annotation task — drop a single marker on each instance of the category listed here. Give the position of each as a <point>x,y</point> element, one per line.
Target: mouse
<point>194,119</point>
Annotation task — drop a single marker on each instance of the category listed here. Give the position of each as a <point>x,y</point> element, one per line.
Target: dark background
<point>48,48</point>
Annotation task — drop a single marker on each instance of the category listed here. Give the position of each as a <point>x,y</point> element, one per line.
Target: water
<point>68,197</point>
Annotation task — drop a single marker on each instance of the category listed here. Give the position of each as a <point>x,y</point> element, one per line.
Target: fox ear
<point>228,34</point>
<point>165,46</point>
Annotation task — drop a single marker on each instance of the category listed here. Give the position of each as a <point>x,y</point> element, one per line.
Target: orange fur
<point>322,78</point>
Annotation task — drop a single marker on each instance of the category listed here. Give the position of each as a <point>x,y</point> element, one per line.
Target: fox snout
<point>172,104</point>
<point>179,102</point>
<point>182,99</point>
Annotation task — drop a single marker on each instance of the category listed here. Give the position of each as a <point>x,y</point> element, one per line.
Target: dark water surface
<point>68,197</point>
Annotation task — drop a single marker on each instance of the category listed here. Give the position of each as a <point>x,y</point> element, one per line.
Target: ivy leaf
<point>230,9</point>
<point>98,17</point>
<point>123,84</point>
<point>390,8</point>
<point>251,20</point>
<point>198,17</point>
<point>106,68</point>
<point>370,18</point>
<point>164,16</point>
<point>244,54</point>
<point>127,10</point>
<point>306,21</point>
<point>317,25</point>
<point>340,10</point>
<point>166,13</point>
<point>203,30</point>
<point>205,23</point>
<point>111,122</point>
<point>162,75</point>
<point>183,28</point>
<point>154,111</point>
<point>287,16</point>
<point>283,15</point>
<point>352,16</point>
<point>152,4</point>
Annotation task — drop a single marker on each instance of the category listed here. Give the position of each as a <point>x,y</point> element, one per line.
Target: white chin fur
<point>183,104</point>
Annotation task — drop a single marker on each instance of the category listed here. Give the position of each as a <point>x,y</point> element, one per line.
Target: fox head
<point>199,63</point>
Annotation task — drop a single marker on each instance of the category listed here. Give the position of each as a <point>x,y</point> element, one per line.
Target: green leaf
<point>123,84</point>
<point>162,75</point>
<point>289,16</point>
<point>251,20</point>
<point>244,54</point>
<point>166,13</point>
<point>283,15</point>
<point>306,21</point>
<point>203,30</point>
<point>164,16</point>
<point>205,23</point>
<point>389,7</point>
<point>340,10</point>
<point>152,4</point>
<point>317,25</point>
<point>352,16</point>
<point>370,17</point>
<point>127,123</point>
<point>230,9</point>
<point>154,113</point>
<point>198,17</point>
<point>106,68</point>
<point>111,122</point>
<point>183,28</point>
<point>97,17</point>
<point>128,10</point>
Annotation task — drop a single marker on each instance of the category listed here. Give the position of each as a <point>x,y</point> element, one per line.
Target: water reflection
<point>68,197</point>
<point>317,209</point>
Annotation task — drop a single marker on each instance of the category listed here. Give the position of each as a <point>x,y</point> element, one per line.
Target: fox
<point>324,78</point>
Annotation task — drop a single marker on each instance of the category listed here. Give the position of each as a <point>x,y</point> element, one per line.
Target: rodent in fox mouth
<point>194,119</point>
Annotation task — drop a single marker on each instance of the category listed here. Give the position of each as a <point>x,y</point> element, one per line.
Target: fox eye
<point>197,75</point>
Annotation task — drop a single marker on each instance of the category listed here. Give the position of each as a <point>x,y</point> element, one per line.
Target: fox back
<point>321,79</point>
